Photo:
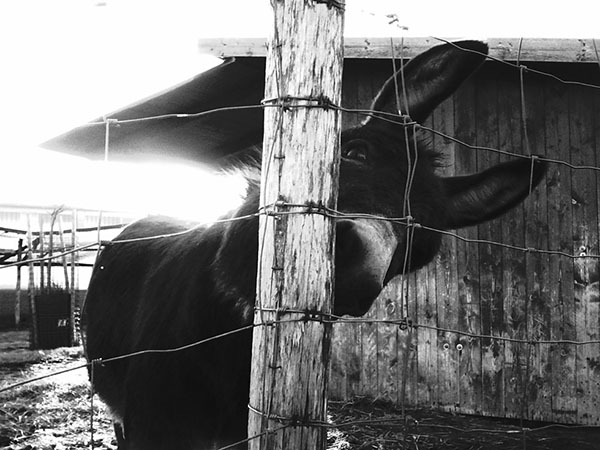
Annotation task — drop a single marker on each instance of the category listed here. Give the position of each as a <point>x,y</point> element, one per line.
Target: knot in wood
<point>404,324</point>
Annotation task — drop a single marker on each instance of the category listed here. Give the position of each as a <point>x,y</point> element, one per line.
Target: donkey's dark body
<point>169,292</point>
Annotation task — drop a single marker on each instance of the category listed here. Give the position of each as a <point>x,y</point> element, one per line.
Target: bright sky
<point>65,62</point>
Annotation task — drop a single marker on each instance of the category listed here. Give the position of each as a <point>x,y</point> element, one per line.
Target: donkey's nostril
<point>348,239</point>
<point>343,226</point>
<point>364,251</point>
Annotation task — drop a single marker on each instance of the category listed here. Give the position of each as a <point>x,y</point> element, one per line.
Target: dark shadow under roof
<point>205,138</point>
<point>239,81</point>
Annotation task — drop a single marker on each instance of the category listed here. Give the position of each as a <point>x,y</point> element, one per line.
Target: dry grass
<point>55,413</point>
<point>49,416</point>
<point>379,425</point>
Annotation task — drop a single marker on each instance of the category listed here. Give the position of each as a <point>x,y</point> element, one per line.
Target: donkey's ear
<point>483,196</point>
<point>429,78</point>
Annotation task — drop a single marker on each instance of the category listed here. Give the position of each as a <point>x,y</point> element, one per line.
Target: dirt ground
<point>56,414</point>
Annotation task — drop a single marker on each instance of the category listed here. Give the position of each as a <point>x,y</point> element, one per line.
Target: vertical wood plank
<point>538,277</point>
<point>51,248</point>
<point>74,254</point>
<point>585,241</point>
<point>490,92</point>
<point>514,289</point>
<point>61,238</point>
<point>426,338</point>
<point>564,406</point>
<point>426,375</point>
<point>594,321</point>
<point>464,268</point>
<point>447,361</point>
<point>369,346</point>
<point>41,253</point>
<point>31,286</point>
<point>387,337</point>
<point>337,390</point>
<point>490,258</point>
<point>409,336</point>
<point>17,310</point>
<point>443,269</point>
<point>75,313</point>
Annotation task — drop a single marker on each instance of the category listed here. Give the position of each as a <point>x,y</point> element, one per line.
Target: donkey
<point>172,291</point>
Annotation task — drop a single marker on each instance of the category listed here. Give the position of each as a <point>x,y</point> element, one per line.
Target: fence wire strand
<point>403,323</point>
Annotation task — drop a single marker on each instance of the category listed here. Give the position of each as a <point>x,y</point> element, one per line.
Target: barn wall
<point>488,291</point>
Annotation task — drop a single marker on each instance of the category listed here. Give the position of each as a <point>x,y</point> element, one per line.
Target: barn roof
<point>507,49</point>
<point>232,83</point>
<point>239,81</point>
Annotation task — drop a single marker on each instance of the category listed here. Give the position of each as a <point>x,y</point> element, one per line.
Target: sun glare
<point>187,191</point>
<point>177,190</point>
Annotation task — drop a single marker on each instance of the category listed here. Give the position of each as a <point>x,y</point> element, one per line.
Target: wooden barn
<point>506,321</point>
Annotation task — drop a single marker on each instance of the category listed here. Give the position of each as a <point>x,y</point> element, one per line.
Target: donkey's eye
<point>358,152</point>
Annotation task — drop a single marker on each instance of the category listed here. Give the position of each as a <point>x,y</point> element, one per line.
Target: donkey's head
<point>387,171</point>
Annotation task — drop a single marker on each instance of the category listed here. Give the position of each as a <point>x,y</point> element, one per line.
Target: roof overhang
<point>239,81</point>
<point>504,49</point>
<point>170,125</point>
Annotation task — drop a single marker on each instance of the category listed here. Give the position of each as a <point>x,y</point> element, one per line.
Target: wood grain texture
<point>503,292</point>
<point>442,273</point>
<point>488,125</point>
<point>388,364</point>
<point>465,285</point>
<point>584,187</point>
<point>506,49</point>
<point>539,388</point>
<point>296,252</point>
<point>564,406</point>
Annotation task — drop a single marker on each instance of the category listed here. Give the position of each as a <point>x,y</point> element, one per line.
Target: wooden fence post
<point>75,317</point>
<point>63,247</point>
<point>33,312</point>
<point>18,290</point>
<point>41,252</point>
<point>53,215</point>
<point>291,345</point>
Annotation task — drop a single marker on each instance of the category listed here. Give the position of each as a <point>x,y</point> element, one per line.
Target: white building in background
<point>20,226</point>
<point>17,223</point>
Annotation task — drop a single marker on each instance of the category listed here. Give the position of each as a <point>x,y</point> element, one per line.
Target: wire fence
<point>406,323</point>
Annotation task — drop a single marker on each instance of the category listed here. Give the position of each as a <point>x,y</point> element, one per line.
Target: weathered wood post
<point>34,323</point>
<point>74,302</point>
<point>291,346</point>
<point>61,237</point>
<point>18,289</point>
<point>41,251</point>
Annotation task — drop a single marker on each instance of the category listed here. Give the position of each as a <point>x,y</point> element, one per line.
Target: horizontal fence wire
<point>379,115</point>
<point>525,68</point>
<point>269,210</point>
<point>19,231</point>
<point>311,209</point>
<point>274,210</point>
<point>53,256</point>
<point>294,422</point>
<point>306,316</point>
